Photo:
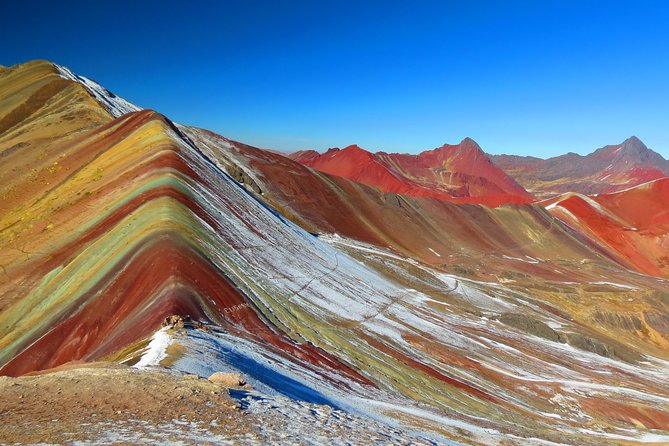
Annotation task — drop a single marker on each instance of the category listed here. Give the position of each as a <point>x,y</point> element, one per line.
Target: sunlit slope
<point>444,328</point>
<point>490,243</point>
<point>40,114</point>
<point>632,224</point>
<point>99,235</point>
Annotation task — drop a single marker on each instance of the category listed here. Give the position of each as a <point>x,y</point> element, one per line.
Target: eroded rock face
<point>242,177</point>
<point>631,225</point>
<point>155,229</point>
<point>657,321</point>
<point>608,349</point>
<point>531,326</point>
<point>591,345</point>
<point>625,321</point>
<point>603,347</point>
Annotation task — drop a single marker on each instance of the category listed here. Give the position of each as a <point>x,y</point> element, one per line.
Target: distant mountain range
<point>609,169</point>
<point>617,195</point>
<point>464,173</point>
<point>459,173</point>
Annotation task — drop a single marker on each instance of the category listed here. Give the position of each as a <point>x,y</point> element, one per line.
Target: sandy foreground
<point>103,403</point>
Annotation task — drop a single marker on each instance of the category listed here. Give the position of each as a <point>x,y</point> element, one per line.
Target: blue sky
<point>533,78</point>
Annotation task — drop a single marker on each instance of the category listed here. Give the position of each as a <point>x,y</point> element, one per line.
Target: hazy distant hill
<point>609,169</point>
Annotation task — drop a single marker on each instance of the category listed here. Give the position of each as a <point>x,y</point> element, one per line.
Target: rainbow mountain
<point>454,322</point>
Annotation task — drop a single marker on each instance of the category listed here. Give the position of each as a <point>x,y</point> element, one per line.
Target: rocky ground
<point>112,404</point>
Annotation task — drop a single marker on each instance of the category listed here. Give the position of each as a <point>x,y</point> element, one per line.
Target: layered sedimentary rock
<point>522,247</point>
<point>458,322</point>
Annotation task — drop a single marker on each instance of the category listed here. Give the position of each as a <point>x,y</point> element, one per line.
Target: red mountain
<point>609,169</point>
<point>459,173</point>
<point>631,224</point>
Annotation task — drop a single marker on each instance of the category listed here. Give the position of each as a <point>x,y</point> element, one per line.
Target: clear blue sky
<point>535,78</point>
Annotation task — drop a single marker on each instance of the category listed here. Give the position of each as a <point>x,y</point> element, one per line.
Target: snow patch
<point>156,350</point>
<point>434,252</point>
<point>616,285</point>
<point>115,105</point>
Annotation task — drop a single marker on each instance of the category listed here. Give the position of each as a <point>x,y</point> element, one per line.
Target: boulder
<point>227,379</point>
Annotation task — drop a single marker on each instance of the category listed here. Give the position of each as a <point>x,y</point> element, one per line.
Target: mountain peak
<point>467,145</point>
<point>353,154</point>
<point>353,147</point>
<point>633,139</point>
<point>467,141</point>
<point>633,145</point>
<point>356,152</point>
<point>632,149</point>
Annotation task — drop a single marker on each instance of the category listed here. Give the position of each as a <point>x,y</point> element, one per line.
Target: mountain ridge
<point>607,169</point>
<point>453,172</point>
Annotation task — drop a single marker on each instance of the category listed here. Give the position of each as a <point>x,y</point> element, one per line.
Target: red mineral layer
<point>632,223</point>
<point>162,277</point>
<point>460,173</point>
